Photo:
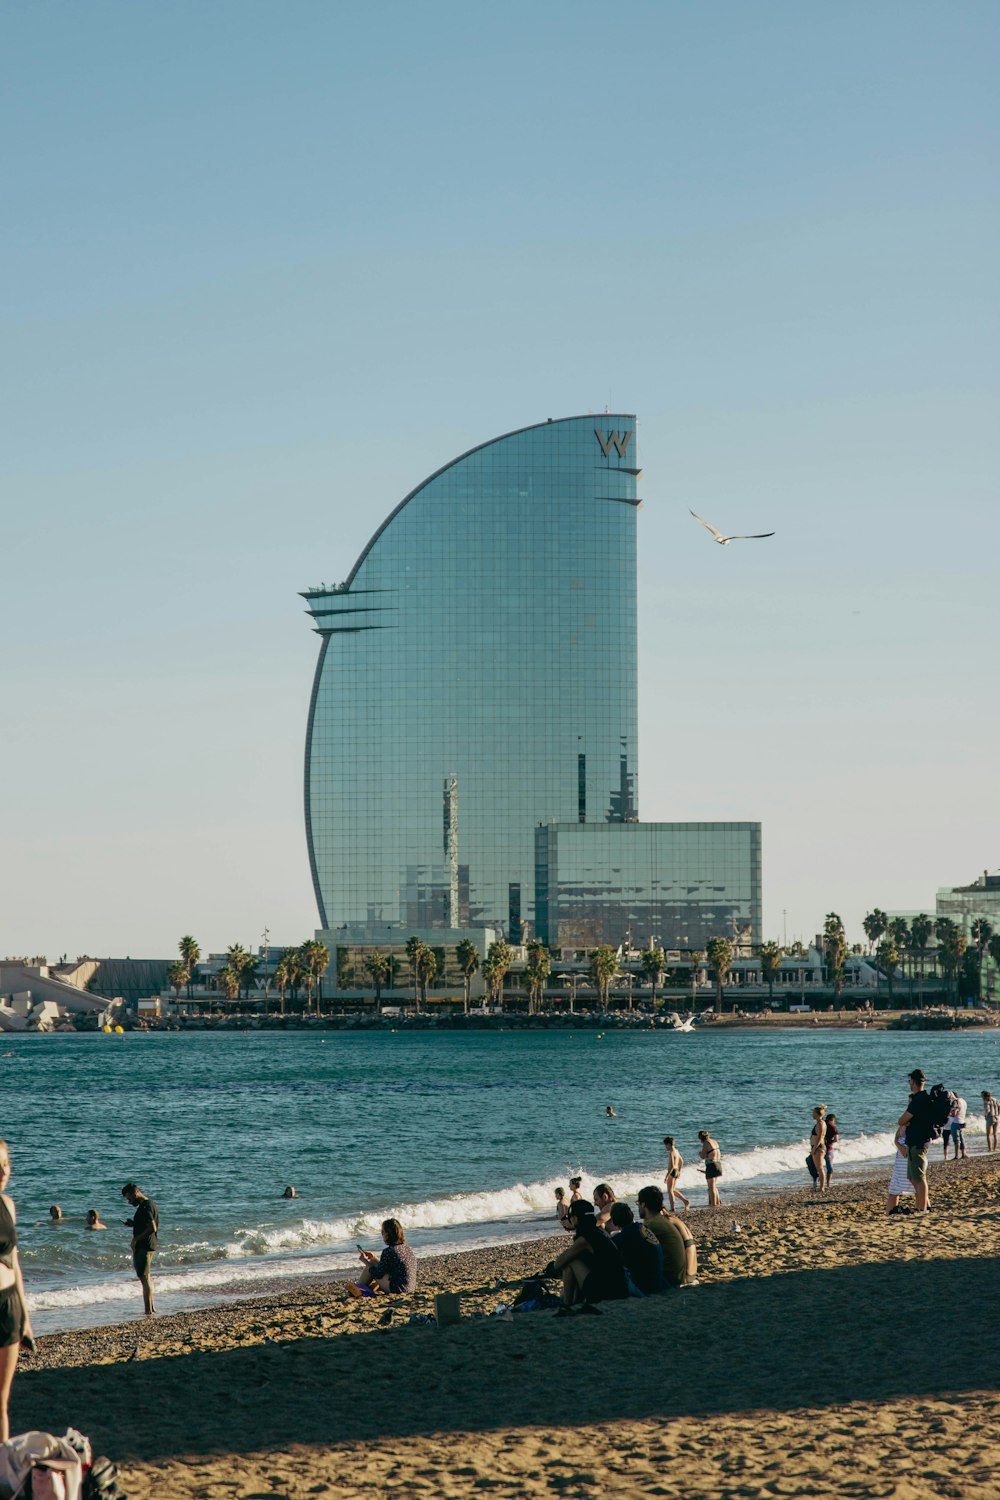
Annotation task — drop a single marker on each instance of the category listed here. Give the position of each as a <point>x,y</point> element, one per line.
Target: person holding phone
<point>394,1271</point>
<point>15,1320</point>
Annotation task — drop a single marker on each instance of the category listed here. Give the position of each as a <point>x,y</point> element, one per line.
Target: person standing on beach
<point>144,1224</point>
<point>817,1149</point>
<point>832,1137</point>
<point>711,1155</point>
<point>918,1127</point>
<point>15,1320</point>
<point>675,1165</point>
<point>991,1109</point>
<point>899,1183</point>
<point>954,1130</point>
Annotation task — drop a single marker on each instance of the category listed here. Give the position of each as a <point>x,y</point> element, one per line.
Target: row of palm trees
<point>895,941</point>
<point>297,969</point>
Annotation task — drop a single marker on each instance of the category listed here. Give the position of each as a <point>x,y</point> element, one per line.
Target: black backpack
<point>942,1103</point>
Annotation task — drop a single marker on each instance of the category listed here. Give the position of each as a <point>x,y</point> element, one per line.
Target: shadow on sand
<point>805,1339</point>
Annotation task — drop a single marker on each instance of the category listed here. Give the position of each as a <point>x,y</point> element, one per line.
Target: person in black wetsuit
<point>144,1224</point>
<point>591,1268</point>
<point>15,1320</point>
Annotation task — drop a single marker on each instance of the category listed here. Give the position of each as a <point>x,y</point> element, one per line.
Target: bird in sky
<point>724,541</point>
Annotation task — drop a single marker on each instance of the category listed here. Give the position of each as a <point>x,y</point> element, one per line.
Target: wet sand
<point>828,1351</point>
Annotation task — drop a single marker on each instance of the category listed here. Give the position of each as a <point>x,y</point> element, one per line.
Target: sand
<point>827,1351</point>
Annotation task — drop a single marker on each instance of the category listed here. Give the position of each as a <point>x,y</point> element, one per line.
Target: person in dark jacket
<point>591,1268</point>
<point>639,1249</point>
<point>144,1224</point>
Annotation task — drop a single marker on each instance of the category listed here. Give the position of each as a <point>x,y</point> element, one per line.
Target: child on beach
<point>675,1164</point>
<point>899,1183</point>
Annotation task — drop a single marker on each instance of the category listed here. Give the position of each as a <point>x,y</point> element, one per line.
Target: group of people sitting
<point>613,1256</point>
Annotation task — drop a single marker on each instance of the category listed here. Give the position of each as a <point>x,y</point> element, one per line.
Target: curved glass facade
<point>477,677</point>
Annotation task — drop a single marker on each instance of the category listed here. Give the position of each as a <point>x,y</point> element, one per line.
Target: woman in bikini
<point>15,1322</point>
<point>675,1163</point>
<point>817,1148</point>
<point>712,1157</point>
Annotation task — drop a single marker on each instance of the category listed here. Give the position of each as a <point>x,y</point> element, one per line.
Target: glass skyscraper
<point>477,677</point>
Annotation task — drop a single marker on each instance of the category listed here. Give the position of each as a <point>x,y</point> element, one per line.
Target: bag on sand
<point>39,1466</point>
<point>942,1103</point>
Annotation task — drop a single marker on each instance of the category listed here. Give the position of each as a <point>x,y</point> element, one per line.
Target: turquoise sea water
<point>463,1135</point>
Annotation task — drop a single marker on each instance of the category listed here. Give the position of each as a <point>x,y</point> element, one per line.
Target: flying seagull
<point>724,541</point>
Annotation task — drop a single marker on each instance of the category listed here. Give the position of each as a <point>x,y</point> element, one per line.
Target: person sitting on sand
<point>289,1193</point>
<point>712,1157</point>
<point>394,1271</point>
<point>591,1268</point>
<point>991,1109</point>
<point>94,1219</point>
<point>675,1165</point>
<point>562,1207</point>
<point>680,1256</point>
<point>604,1196</point>
<point>575,1189</point>
<point>639,1249</point>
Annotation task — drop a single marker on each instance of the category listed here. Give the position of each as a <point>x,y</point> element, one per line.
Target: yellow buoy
<point>106,1028</point>
<point>120,1030</point>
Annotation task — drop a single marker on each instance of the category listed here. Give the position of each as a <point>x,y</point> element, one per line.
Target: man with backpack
<point>920,1128</point>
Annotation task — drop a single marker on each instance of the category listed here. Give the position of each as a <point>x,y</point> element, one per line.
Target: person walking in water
<point>675,1165</point>
<point>144,1224</point>
<point>991,1109</point>
<point>711,1155</point>
<point>15,1320</point>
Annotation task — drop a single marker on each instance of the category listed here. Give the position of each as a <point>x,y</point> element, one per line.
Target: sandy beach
<point>828,1351</point>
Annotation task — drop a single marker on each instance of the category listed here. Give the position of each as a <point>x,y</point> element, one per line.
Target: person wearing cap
<point>144,1224</point>
<point>591,1268</point>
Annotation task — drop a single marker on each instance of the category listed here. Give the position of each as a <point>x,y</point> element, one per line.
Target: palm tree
<point>538,969</point>
<point>190,954</point>
<point>379,967</point>
<point>899,931</point>
<point>652,962</point>
<point>414,948</point>
<point>427,970</point>
<point>249,972</point>
<point>468,961</point>
<point>994,947</point>
<point>921,928</point>
<point>835,948</point>
<point>875,924</point>
<point>314,958</point>
<point>603,967</point>
<point>697,960</point>
<point>177,978</point>
<point>499,957</point>
<point>982,931</point>
<point>719,952</point>
<point>888,959</point>
<point>770,965</point>
<point>952,944</point>
<point>283,978</point>
<point>229,982</point>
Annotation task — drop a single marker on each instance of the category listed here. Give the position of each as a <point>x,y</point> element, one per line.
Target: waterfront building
<point>964,903</point>
<point>666,885</point>
<point>477,677</point>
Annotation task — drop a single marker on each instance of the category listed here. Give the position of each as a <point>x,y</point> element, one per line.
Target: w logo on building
<point>617,440</point>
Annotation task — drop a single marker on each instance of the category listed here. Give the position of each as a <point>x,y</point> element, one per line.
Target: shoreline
<point>462,1267</point>
<point>311,1392</point>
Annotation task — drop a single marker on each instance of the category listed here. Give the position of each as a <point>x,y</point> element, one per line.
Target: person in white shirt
<point>955,1128</point>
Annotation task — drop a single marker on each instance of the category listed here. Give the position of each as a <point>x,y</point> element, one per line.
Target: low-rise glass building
<point>670,885</point>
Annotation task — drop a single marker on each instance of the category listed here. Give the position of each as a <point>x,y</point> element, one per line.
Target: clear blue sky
<point>268,265</point>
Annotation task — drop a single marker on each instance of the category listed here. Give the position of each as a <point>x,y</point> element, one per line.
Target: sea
<point>463,1136</point>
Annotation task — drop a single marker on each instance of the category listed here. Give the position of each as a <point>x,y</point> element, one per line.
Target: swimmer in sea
<point>94,1219</point>
<point>611,1114</point>
<point>55,1215</point>
<point>289,1193</point>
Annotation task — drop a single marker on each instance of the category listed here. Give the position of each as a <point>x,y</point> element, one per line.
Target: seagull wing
<point>755,536</point>
<point>705,524</point>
